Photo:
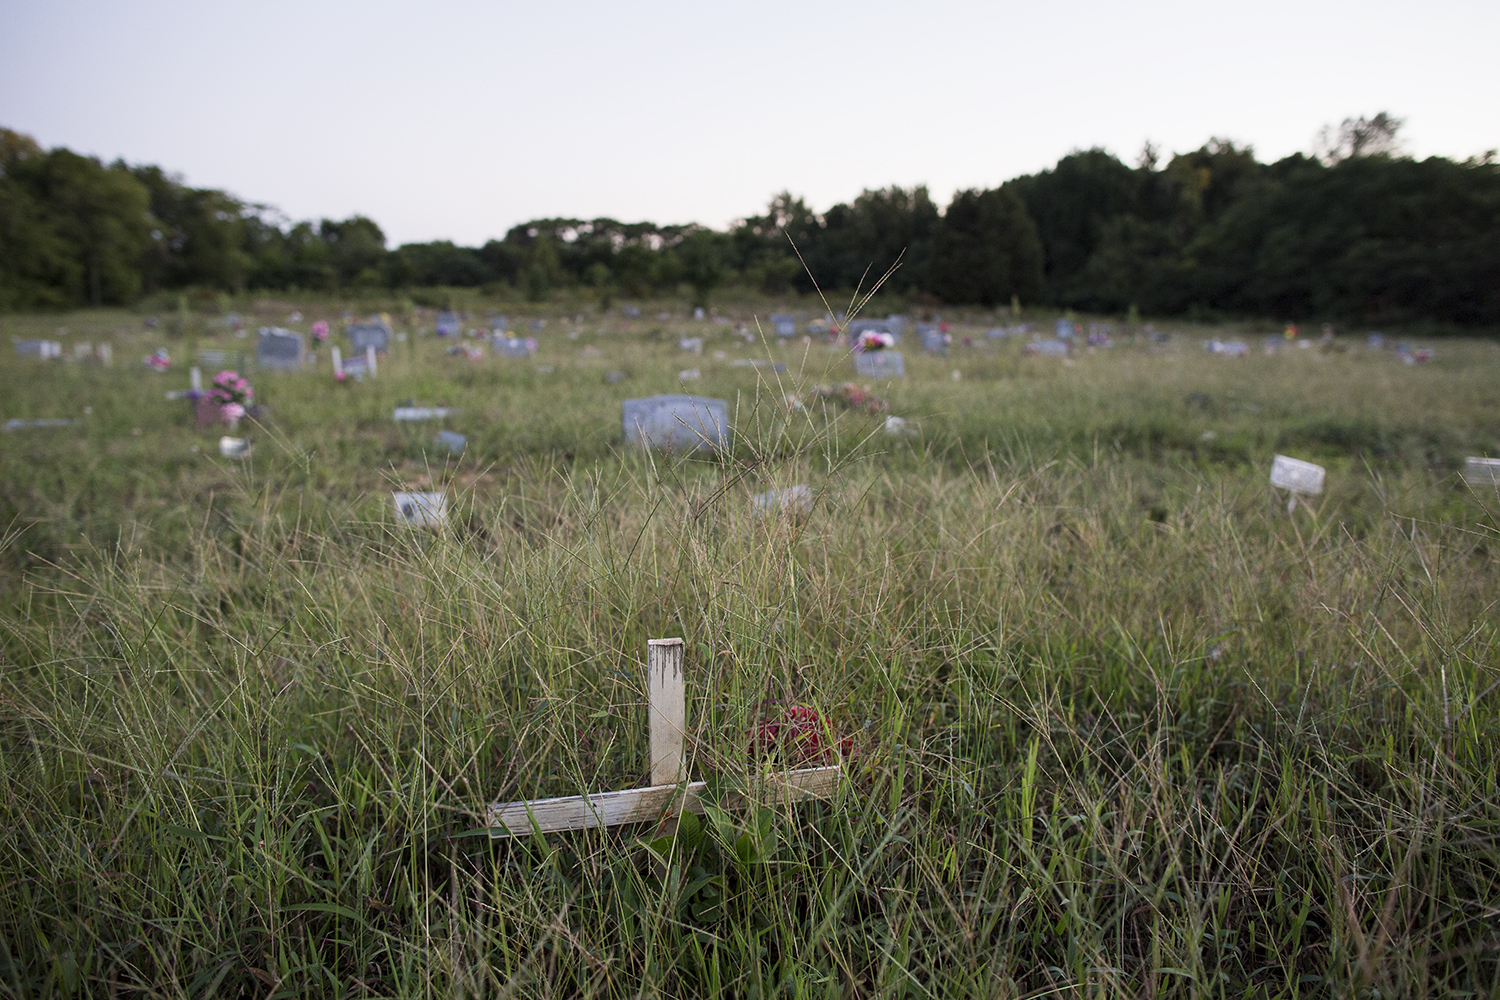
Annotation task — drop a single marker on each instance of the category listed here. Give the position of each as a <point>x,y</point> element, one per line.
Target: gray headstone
<point>364,335</point>
<point>676,423</point>
<point>1064,329</point>
<point>933,339</point>
<point>784,325</point>
<point>277,348</point>
<point>453,441</point>
<point>614,378</point>
<point>499,324</point>
<point>448,324</point>
<point>880,364</point>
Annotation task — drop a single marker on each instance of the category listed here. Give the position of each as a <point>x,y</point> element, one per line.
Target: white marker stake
<point>370,360</point>
<point>195,379</point>
<point>665,691</point>
<point>338,360</point>
<point>663,800</point>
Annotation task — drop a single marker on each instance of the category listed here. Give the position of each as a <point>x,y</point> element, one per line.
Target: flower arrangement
<point>851,397</point>
<point>799,736</point>
<point>231,393</point>
<point>320,330</point>
<point>874,340</point>
<point>159,360</point>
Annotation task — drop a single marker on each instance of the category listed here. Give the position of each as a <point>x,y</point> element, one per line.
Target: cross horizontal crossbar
<point>642,805</point>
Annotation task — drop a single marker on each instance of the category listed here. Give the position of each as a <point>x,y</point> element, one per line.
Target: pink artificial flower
<point>340,375</point>
<point>233,411</point>
<point>320,330</point>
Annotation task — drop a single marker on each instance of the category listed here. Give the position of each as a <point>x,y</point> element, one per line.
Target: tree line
<point>1354,232</point>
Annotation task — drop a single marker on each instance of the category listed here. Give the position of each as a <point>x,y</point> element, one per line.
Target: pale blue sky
<point>458,120</point>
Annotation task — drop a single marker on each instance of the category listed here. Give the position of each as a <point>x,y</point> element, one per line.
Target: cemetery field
<point>1112,719</point>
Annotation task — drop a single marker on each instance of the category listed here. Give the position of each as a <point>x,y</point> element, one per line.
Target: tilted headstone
<point>784,325</point>
<point>880,364</point>
<point>1296,475</point>
<point>421,510</point>
<point>278,348</point>
<point>448,324</point>
<point>1482,471</point>
<point>366,335</point>
<point>676,423</point>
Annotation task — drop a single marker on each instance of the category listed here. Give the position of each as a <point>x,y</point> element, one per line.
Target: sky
<point>458,120</point>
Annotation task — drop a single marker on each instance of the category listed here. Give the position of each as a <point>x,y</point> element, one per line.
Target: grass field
<point>1122,724</point>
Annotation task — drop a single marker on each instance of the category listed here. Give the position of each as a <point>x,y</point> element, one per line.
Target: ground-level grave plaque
<point>669,794</point>
<point>453,441</point>
<point>421,510</point>
<point>363,335</point>
<point>413,413</point>
<point>514,347</point>
<point>25,424</point>
<point>880,364</point>
<point>676,423</point>
<point>1047,348</point>
<point>1297,477</point>
<point>277,348</point>
<point>1482,471</point>
<point>775,366</point>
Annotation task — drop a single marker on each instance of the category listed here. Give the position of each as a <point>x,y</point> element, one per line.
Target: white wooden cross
<point>667,796</point>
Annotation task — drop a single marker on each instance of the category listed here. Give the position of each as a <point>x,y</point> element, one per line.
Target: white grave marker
<point>1482,471</point>
<point>233,447</point>
<point>1296,477</point>
<point>667,796</point>
<point>421,510</point>
<point>795,500</point>
<point>404,413</point>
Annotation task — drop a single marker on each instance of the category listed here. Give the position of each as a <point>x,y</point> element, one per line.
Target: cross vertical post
<point>666,692</point>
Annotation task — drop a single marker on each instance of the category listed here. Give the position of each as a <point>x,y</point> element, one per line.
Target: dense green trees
<point>1357,233</point>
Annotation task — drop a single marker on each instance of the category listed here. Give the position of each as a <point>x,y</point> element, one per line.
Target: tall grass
<point>1122,725</point>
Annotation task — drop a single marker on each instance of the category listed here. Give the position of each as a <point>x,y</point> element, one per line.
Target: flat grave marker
<point>668,795</point>
<point>453,441</point>
<point>417,413</point>
<point>514,347</point>
<point>421,510</point>
<point>43,349</point>
<point>233,447</point>
<point>27,424</point>
<point>676,423</point>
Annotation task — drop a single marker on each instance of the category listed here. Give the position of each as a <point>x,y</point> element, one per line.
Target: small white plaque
<point>1296,475</point>
<point>421,510</point>
<point>231,447</point>
<point>795,500</point>
<point>1482,471</point>
<point>421,413</point>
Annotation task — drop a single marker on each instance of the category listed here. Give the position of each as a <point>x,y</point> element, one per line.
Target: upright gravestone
<point>421,510</point>
<point>278,348</point>
<point>676,423</point>
<point>934,340</point>
<point>448,324</point>
<point>39,348</point>
<point>367,335</point>
<point>880,364</point>
<point>499,324</point>
<point>1064,328</point>
<point>784,325</point>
